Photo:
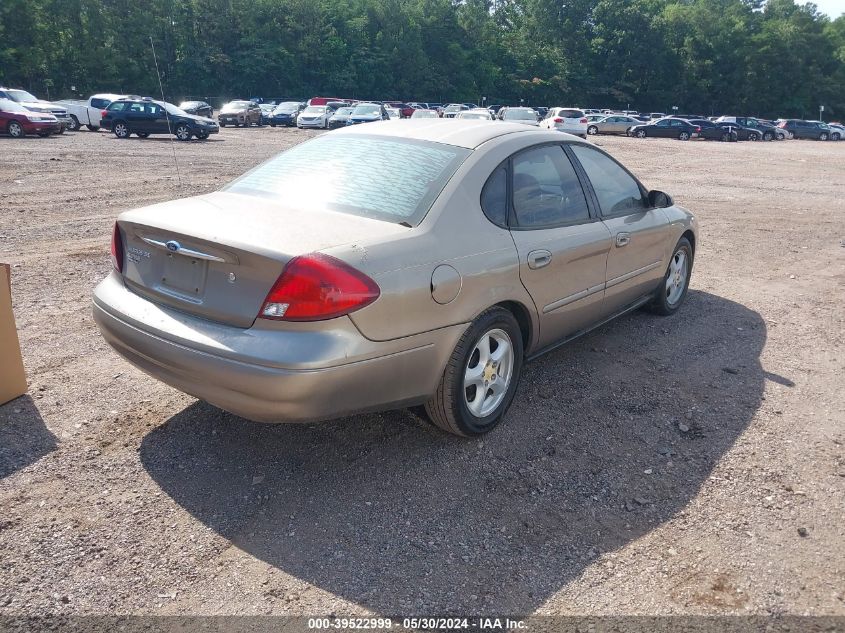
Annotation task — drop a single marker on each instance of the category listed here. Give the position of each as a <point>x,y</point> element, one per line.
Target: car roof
<point>460,132</point>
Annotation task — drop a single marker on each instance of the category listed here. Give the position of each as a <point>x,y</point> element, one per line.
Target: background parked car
<point>266,112</point>
<point>712,131</point>
<point>613,124</point>
<point>199,108</point>
<point>340,117</point>
<point>240,113</point>
<point>286,113</point>
<point>767,131</point>
<point>367,113</point>
<point>482,114</point>
<point>425,114</point>
<point>451,110</point>
<point>569,120</point>
<point>88,112</point>
<point>393,113</point>
<point>670,127</point>
<point>800,128</point>
<point>17,121</point>
<point>314,117</point>
<point>144,116</point>
<point>33,103</point>
<point>837,131</point>
<point>405,109</point>
<point>526,116</point>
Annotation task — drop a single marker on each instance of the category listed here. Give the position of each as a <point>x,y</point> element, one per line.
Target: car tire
<point>834,137</point>
<point>222,124</point>
<point>455,406</point>
<point>823,136</point>
<point>120,129</point>
<point>672,290</point>
<point>725,138</point>
<point>768,136</point>
<point>684,136</point>
<point>272,124</point>
<point>142,134</point>
<point>15,130</point>
<point>641,134</point>
<point>592,130</point>
<point>73,123</point>
<point>183,132</point>
<point>753,137</point>
<point>93,128</point>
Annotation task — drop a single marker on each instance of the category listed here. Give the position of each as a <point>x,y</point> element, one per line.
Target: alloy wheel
<point>676,281</point>
<point>488,372</point>
<point>15,129</point>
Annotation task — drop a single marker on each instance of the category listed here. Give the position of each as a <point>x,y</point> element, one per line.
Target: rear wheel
<point>768,136</point>
<point>15,130</point>
<point>835,136</point>
<point>121,130</point>
<point>725,138</point>
<point>73,123</point>
<point>823,136</point>
<point>672,291</point>
<point>592,130</point>
<point>753,136</point>
<point>683,136</point>
<point>481,376</point>
<point>222,124</point>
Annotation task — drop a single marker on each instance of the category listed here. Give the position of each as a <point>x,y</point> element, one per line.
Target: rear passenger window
<point>546,189</point>
<point>494,197</point>
<point>117,106</point>
<point>618,193</point>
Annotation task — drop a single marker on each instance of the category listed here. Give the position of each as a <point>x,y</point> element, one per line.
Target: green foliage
<point>709,56</point>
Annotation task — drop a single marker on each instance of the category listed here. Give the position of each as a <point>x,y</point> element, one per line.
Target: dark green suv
<point>144,116</point>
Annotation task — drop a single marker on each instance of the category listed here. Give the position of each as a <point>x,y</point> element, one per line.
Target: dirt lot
<point>691,464</point>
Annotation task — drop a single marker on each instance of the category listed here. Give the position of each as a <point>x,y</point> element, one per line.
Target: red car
<point>404,108</point>
<point>17,121</point>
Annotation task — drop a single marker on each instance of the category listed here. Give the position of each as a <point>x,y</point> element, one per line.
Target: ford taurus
<point>390,265</point>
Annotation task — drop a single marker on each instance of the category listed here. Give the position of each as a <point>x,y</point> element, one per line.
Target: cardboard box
<point>12,376</point>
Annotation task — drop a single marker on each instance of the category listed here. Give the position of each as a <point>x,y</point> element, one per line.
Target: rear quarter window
<point>118,106</point>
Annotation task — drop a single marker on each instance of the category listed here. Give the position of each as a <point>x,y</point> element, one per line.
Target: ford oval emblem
<point>173,246</point>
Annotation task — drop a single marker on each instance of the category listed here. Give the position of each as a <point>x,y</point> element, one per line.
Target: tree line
<point>774,58</point>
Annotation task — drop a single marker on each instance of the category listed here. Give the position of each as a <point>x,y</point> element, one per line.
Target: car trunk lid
<point>217,256</point>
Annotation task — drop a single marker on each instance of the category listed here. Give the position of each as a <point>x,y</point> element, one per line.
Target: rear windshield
<point>521,115</point>
<point>570,114</point>
<point>390,179</point>
<point>366,108</point>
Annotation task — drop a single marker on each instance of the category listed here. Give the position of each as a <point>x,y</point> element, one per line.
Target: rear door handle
<point>539,259</point>
<point>622,239</point>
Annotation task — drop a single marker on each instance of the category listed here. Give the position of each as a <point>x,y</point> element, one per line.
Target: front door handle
<point>622,239</point>
<point>539,259</point>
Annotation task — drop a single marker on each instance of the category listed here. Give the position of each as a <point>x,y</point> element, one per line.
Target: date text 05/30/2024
<point>425,623</point>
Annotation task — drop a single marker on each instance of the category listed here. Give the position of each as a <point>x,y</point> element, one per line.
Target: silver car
<point>613,124</point>
<point>312,288</point>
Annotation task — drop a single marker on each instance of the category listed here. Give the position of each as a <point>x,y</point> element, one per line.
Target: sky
<point>834,8</point>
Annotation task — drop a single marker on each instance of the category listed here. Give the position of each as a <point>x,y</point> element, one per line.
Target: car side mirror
<point>659,200</point>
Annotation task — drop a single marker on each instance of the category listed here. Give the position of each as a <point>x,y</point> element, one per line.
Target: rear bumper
<point>302,373</point>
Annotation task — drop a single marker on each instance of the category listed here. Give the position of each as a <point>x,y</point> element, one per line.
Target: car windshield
<point>21,96</point>
<point>366,108</point>
<point>189,104</point>
<point>343,112</point>
<point>314,110</point>
<point>235,106</point>
<point>522,115</point>
<point>172,109</point>
<point>7,105</point>
<point>424,114</point>
<point>401,180</point>
<point>287,106</point>
<point>474,115</point>
<point>454,108</point>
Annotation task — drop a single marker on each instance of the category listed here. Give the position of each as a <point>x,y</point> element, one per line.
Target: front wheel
<point>15,130</point>
<point>222,124</point>
<point>672,291</point>
<point>481,376</point>
<point>753,137</point>
<point>823,136</point>
<point>592,130</point>
<point>183,132</point>
<point>768,136</point>
<point>640,134</point>
<point>834,137</point>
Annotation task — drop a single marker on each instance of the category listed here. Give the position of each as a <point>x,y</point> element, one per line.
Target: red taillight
<point>103,114</point>
<point>583,120</point>
<point>117,249</point>
<point>782,124</point>
<point>558,119</point>
<point>698,129</point>
<point>316,287</point>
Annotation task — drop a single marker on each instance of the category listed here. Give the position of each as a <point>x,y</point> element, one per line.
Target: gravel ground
<point>683,465</point>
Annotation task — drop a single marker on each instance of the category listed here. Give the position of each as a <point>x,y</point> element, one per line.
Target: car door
<point>635,262</point>
<point>562,245</point>
<point>661,128</point>
<point>135,117</point>
<point>156,119</point>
